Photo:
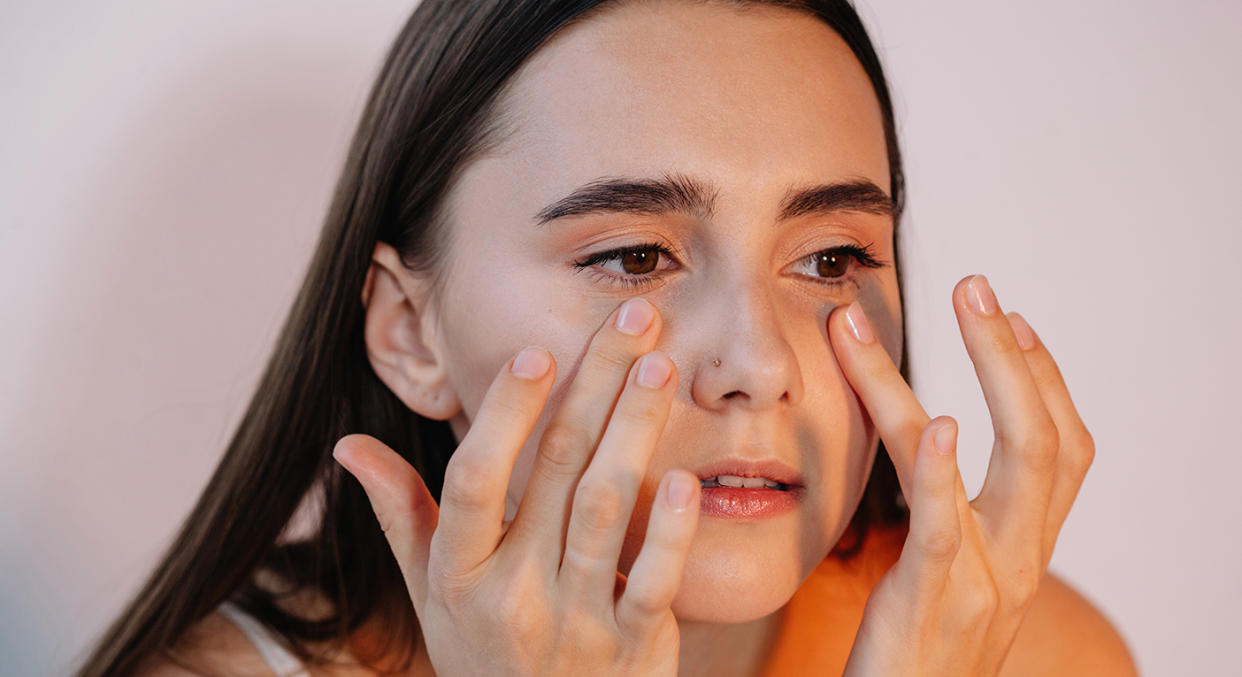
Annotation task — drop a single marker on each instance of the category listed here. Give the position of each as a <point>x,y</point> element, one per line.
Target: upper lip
<point>743,467</point>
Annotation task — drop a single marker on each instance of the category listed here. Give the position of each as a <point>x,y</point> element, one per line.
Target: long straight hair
<point>431,111</point>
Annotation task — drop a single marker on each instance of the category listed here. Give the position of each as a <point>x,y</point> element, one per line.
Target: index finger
<point>897,414</point>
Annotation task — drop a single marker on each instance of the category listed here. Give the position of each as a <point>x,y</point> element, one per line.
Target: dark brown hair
<point>431,111</point>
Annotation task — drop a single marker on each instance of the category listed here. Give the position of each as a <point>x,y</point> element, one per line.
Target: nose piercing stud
<point>716,362</point>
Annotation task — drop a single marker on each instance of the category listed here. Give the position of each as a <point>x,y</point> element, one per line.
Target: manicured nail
<point>680,491</point>
<point>1022,330</point>
<point>635,316</point>
<point>859,325</point>
<point>532,363</point>
<point>983,301</point>
<point>944,437</point>
<point>653,372</point>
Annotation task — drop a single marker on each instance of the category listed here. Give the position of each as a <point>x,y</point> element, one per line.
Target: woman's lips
<point>748,502</point>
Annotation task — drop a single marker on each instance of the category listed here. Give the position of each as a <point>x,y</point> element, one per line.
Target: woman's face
<point>752,106</point>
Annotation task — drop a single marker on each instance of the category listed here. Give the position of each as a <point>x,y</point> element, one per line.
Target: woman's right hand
<point>542,595</point>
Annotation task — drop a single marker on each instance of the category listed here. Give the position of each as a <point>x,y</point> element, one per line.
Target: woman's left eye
<point>831,266</point>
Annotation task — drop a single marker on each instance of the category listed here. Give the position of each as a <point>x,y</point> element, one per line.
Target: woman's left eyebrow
<point>678,193</point>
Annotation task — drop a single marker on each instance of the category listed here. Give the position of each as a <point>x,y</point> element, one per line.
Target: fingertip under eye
<point>859,326</point>
<point>653,371</point>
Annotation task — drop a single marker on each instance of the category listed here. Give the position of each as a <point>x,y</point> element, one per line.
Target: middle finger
<point>576,428</point>
<point>1016,490</point>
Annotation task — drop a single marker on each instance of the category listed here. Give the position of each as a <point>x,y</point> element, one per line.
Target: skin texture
<point>722,111</point>
<point>756,102</point>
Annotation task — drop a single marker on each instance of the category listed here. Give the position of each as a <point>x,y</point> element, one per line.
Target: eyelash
<point>863,256</point>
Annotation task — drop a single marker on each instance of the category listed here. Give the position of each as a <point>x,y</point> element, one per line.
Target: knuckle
<point>1023,586</point>
<point>647,601</point>
<point>1083,454</point>
<point>613,357</point>
<point>521,605</point>
<point>1037,445</point>
<point>598,504</point>
<point>388,519</point>
<point>561,449</point>
<point>981,603</point>
<point>661,633</point>
<point>1043,447</point>
<point>941,544</point>
<point>643,410</point>
<point>518,617</point>
<point>462,485</point>
<point>451,587</point>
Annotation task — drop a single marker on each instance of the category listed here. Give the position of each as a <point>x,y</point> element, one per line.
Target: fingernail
<point>341,454</point>
<point>532,363</point>
<point>980,294</point>
<point>859,326</point>
<point>1022,330</point>
<point>944,437</point>
<point>680,491</point>
<point>653,372</point>
<point>635,316</point>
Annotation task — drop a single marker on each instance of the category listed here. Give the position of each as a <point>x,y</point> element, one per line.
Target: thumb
<point>406,511</point>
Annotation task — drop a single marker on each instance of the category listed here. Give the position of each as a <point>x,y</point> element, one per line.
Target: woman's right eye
<point>636,265</point>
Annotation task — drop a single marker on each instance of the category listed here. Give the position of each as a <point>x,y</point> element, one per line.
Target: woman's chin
<point>733,580</point>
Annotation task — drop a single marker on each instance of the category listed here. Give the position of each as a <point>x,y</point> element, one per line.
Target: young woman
<point>599,369</point>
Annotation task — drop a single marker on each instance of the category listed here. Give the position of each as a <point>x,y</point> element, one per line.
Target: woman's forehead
<point>758,100</point>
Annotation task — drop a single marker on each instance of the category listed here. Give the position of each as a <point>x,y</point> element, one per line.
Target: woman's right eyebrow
<point>679,193</point>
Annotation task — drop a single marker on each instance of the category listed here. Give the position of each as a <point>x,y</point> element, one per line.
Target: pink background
<point>165,168</point>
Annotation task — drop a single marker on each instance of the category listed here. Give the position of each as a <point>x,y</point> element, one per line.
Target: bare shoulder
<point>1065,634</point>
<point>216,647</point>
<point>212,646</point>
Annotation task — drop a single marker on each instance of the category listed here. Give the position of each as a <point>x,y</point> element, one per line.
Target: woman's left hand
<point>969,569</point>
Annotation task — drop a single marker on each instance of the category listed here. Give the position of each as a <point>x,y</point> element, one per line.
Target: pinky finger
<point>656,575</point>
<point>935,529</point>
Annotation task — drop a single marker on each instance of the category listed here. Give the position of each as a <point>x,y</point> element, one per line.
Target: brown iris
<point>831,264</point>
<point>644,260</point>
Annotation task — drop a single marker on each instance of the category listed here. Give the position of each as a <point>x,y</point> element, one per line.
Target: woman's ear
<point>400,336</point>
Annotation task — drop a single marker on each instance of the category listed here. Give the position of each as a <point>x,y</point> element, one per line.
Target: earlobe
<point>400,343</point>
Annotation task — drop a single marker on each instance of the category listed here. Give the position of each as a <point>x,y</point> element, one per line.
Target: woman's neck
<point>727,649</point>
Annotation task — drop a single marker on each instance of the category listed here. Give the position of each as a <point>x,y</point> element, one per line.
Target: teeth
<point>735,481</point>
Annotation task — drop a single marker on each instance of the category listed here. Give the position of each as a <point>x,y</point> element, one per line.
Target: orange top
<point>832,596</point>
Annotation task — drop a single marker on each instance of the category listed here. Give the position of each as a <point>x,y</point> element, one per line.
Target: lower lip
<point>747,503</point>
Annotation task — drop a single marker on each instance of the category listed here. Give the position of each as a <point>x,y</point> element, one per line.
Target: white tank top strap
<point>281,660</point>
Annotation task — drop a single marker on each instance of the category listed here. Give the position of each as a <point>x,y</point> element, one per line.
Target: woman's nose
<point>747,333</point>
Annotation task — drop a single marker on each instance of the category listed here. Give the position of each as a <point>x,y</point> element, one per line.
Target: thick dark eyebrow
<point>678,193</point>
